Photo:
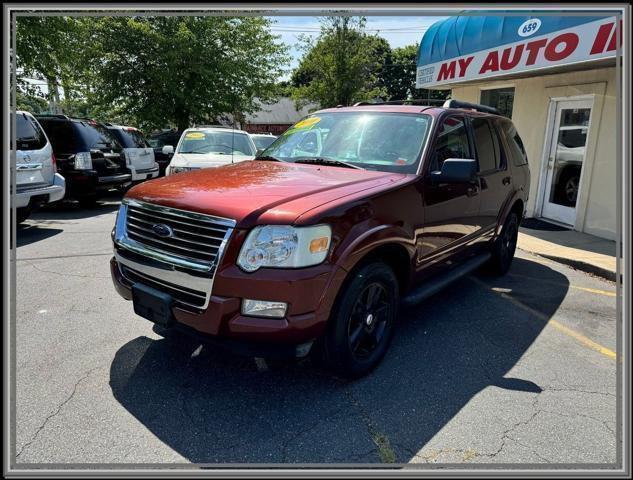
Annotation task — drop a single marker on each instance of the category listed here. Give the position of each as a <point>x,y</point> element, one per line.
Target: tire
<point>504,246</point>
<point>362,321</point>
<point>88,201</point>
<point>569,186</point>
<point>21,214</point>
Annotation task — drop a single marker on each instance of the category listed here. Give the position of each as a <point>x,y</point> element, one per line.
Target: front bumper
<point>51,193</point>
<point>222,319</point>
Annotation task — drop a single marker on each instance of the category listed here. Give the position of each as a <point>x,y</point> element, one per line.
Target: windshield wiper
<point>326,161</point>
<point>269,158</point>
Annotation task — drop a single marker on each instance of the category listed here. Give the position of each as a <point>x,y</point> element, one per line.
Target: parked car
<point>36,179</point>
<point>139,155</point>
<point>570,152</point>
<point>157,141</point>
<point>89,157</point>
<point>263,140</point>
<point>295,253</point>
<point>205,147</point>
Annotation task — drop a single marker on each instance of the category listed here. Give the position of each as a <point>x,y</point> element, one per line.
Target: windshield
<point>389,142</point>
<point>130,138</point>
<point>263,141</point>
<point>220,143</point>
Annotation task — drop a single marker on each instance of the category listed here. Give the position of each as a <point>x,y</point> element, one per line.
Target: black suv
<point>89,157</point>
<point>157,141</point>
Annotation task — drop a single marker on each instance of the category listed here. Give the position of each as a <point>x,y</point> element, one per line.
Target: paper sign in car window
<point>308,122</point>
<point>195,135</point>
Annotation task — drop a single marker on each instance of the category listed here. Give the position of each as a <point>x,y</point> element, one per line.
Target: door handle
<point>472,191</point>
<point>506,180</point>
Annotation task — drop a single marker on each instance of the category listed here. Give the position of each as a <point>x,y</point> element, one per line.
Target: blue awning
<point>466,34</point>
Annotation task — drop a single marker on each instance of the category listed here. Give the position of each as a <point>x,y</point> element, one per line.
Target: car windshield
<point>130,138</point>
<point>389,142</point>
<point>263,141</point>
<point>220,143</point>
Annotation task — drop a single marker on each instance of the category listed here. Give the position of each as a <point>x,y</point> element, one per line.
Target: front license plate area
<point>152,304</point>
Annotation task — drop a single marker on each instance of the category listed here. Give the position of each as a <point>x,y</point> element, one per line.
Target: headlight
<point>83,161</point>
<point>284,246</point>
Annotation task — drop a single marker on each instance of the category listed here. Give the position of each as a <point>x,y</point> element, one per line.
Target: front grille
<point>183,261</point>
<point>194,237</point>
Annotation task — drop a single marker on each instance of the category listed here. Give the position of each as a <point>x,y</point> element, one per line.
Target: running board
<point>434,285</point>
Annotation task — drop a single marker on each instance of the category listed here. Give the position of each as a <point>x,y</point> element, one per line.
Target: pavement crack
<point>286,443</point>
<point>64,274</point>
<point>56,411</point>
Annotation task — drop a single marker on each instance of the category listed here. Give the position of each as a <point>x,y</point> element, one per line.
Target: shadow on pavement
<point>217,408</point>
<point>27,234</point>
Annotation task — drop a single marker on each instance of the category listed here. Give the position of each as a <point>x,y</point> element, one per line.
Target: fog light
<point>260,308</point>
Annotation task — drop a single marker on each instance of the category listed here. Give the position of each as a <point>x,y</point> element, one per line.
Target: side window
<point>60,134</point>
<point>515,144</point>
<point>486,144</point>
<point>452,142</point>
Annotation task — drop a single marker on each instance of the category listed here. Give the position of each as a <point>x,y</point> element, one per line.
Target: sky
<point>398,31</point>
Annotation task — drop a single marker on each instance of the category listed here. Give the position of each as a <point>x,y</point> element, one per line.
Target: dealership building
<point>556,77</point>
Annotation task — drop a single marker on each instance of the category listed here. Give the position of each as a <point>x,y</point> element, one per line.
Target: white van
<point>36,178</point>
<point>139,155</point>
<point>205,147</point>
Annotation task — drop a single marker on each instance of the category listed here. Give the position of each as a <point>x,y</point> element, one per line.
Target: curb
<point>578,265</point>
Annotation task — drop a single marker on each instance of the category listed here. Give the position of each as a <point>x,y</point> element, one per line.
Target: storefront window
<point>499,98</point>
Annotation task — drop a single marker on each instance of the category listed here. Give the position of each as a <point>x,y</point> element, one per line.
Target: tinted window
<point>95,136</point>
<point>514,142</point>
<point>486,144</point>
<point>162,139</point>
<point>130,138</point>
<point>29,135</point>
<point>452,142</point>
<point>60,134</point>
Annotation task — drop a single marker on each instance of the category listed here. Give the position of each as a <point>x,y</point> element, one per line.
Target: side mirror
<point>456,170</point>
<point>168,149</point>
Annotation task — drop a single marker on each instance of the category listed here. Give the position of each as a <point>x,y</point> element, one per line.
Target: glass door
<point>566,159</point>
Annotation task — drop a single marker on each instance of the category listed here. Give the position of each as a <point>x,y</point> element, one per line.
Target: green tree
<point>180,70</point>
<point>341,66</point>
<point>398,76</point>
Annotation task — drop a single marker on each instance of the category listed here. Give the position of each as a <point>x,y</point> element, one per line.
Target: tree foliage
<point>341,66</point>
<point>153,71</point>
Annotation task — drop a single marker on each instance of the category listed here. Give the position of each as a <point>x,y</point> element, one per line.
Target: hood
<point>206,160</point>
<point>257,192</point>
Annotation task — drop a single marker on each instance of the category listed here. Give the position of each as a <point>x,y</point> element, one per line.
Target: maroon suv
<point>312,246</point>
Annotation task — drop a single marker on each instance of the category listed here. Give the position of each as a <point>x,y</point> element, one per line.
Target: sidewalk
<point>579,250</point>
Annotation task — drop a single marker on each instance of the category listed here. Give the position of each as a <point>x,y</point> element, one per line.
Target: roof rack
<point>53,115</point>
<point>409,101</point>
<point>470,106</point>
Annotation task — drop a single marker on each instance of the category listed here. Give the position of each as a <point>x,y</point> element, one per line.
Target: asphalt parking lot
<point>514,370</point>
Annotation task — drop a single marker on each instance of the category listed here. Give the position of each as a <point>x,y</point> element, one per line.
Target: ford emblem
<point>162,230</point>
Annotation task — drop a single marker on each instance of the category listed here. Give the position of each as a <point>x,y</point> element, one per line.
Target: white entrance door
<point>569,133</point>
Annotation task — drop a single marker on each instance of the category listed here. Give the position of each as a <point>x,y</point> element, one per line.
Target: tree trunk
<point>53,95</point>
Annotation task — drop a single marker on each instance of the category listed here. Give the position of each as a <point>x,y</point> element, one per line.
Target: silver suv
<point>36,179</point>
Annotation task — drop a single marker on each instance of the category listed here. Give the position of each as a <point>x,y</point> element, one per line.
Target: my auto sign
<point>589,41</point>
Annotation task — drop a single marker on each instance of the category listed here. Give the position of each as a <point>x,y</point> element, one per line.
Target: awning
<point>466,48</point>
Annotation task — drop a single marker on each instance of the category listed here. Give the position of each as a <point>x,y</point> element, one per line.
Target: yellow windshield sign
<point>195,135</point>
<point>308,122</point>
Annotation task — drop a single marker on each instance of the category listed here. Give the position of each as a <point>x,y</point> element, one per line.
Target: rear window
<point>28,134</point>
<point>515,144</point>
<point>162,139</point>
<point>95,136</point>
<point>130,138</point>
<point>60,134</point>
